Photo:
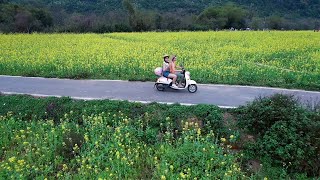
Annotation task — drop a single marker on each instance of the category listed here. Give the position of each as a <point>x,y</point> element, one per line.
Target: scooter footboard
<point>164,80</point>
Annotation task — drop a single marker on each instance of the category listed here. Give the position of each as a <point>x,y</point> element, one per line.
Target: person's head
<point>173,58</point>
<point>166,58</point>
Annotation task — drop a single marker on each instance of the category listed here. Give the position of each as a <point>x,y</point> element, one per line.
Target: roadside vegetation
<point>51,138</point>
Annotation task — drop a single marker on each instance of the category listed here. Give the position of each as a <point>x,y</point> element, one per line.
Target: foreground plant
<point>112,146</point>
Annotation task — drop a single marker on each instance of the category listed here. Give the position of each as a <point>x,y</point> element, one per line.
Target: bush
<point>263,112</point>
<point>288,135</point>
<point>210,115</point>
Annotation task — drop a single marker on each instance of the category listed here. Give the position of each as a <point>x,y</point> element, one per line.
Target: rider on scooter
<point>166,70</point>
<point>178,73</point>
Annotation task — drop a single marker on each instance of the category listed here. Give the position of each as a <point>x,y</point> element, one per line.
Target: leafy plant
<point>288,134</point>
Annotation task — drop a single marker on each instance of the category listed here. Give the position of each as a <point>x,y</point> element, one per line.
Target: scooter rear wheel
<point>160,87</point>
<point>192,88</point>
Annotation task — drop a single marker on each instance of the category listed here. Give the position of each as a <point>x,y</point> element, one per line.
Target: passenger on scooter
<point>166,71</point>
<point>173,69</point>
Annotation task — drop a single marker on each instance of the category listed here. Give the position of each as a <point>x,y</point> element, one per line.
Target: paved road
<point>221,95</point>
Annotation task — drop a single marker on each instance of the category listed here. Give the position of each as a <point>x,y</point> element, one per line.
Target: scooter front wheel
<point>192,88</point>
<point>160,87</point>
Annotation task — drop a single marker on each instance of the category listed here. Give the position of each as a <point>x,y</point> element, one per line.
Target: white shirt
<point>165,66</point>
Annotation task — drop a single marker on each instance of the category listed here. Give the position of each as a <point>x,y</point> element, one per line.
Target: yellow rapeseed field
<point>276,58</point>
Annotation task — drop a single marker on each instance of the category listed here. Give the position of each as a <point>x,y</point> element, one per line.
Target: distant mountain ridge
<point>297,8</point>
<point>101,16</point>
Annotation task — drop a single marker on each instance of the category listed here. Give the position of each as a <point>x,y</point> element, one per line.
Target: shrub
<point>288,135</point>
<point>263,112</point>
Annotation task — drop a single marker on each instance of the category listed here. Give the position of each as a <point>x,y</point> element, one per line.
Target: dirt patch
<point>229,121</point>
<point>253,165</point>
<point>248,138</point>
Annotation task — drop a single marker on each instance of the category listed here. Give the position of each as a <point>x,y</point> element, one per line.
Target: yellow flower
<point>223,139</point>
<point>231,136</point>
<point>199,131</point>
<point>21,162</point>
<point>182,175</point>
<point>64,167</point>
<point>86,138</point>
<point>118,154</point>
<point>163,177</point>
<point>12,159</point>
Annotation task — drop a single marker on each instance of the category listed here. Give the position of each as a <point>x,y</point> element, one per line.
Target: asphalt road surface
<point>220,95</point>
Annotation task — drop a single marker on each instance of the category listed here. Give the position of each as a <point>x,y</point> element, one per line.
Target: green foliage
<point>262,7</point>
<point>109,143</point>
<point>17,18</point>
<point>27,108</point>
<point>61,137</point>
<point>260,115</point>
<point>211,116</point>
<point>224,17</point>
<point>34,149</point>
<point>288,135</point>
<point>176,15</point>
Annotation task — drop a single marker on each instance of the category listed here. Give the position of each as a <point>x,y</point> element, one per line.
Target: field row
<point>280,59</point>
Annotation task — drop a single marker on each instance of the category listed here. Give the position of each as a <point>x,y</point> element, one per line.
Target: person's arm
<point>174,64</point>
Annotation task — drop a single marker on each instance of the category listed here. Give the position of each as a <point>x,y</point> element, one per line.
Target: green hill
<point>304,8</point>
<point>111,15</point>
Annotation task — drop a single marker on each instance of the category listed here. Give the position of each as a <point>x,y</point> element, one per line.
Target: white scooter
<point>163,82</point>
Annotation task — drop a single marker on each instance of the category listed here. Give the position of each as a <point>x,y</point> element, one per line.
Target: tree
<point>275,22</point>
<point>23,21</point>
<point>132,13</point>
<point>223,17</point>
<point>43,16</point>
<point>3,1</point>
<point>158,21</point>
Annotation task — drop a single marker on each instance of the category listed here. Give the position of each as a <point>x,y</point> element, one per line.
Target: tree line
<point>40,17</point>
